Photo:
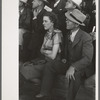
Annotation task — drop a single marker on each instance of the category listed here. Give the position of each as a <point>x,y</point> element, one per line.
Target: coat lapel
<point>77,38</point>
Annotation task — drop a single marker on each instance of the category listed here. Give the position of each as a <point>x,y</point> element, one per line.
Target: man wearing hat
<point>73,4</point>
<point>80,52</point>
<point>78,56</point>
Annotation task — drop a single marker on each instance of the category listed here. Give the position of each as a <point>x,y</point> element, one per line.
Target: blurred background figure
<point>73,4</point>
<point>38,31</point>
<point>51,49</point>
<point>25,22</point>
<point>88,7</point>
<point>58,7</point>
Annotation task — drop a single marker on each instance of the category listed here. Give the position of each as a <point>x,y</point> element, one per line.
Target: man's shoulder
<point>85,35</point>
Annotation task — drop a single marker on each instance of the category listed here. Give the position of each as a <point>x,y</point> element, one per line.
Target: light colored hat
<point>77,2</point>
<point>24,1</point>
<point>76,16</point>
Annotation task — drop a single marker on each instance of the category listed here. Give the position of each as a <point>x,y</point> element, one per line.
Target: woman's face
<point>47,23</point>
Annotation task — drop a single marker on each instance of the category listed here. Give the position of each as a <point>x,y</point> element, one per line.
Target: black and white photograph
<point>57,44</point>
<point>49,50</point>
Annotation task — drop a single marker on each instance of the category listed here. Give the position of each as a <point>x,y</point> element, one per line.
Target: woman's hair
<point>53,17</point>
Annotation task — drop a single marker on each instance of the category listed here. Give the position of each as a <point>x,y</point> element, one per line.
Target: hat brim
<point>72,19</point>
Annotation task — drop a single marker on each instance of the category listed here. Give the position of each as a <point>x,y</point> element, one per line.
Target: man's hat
<point>76,16</point>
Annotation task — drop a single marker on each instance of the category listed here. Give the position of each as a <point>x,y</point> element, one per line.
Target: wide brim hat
<point>76,16</point>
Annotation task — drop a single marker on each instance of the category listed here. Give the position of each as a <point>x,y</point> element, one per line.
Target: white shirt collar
<point>72,36</point>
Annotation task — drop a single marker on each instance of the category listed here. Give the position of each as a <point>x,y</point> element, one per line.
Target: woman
<point>51,48</point>
<point>53,38</point>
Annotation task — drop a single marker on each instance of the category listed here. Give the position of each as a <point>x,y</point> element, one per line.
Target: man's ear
<point>76,25</point>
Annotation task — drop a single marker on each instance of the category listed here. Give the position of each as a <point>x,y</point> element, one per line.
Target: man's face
<point>35,4</point>
<point>69,4</point>
<point>70,25</point>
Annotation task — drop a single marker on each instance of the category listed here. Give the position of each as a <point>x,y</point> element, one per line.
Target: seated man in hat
<point>80,52</point>
<point>78,56</point>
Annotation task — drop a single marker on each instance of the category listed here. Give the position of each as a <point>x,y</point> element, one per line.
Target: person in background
<point>88,8</point>
<point>25,18</point>
<point>38,31</point>
<point>58,7</point>
<point>79,52</point>
<point>73,4</point>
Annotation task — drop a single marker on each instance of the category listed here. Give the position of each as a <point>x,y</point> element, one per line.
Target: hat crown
<point>78,15</point>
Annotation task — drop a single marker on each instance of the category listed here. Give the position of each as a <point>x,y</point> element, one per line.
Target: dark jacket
<point>38,33</point>
<point>25,19</point>
<point>59,10</point>
<point>80,51</point>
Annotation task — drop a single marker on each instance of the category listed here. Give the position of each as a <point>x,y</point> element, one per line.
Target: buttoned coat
<point>80,51</point>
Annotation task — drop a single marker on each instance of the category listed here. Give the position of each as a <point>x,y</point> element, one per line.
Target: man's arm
<point>87,54</point>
